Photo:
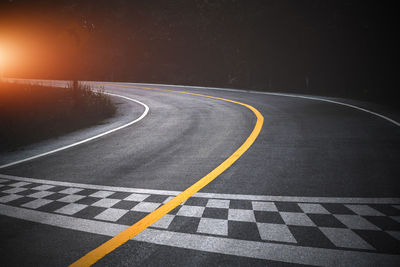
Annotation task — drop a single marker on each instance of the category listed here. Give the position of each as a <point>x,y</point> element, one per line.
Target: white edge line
<point>92,186</point>
<point>88,139</point>
<point>338,103</point>
<point>277,94</point>
<point>227,246</point>
<point>255,92</point>
<point>344,200</point>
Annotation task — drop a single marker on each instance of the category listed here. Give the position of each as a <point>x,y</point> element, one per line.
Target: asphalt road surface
<point>319,186</point>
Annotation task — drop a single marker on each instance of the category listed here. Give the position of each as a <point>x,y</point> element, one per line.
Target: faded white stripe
<point>345,200</point>
<point>251,249</point>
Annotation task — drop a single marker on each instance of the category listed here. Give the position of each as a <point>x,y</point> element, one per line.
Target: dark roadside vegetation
<point>32,112</point>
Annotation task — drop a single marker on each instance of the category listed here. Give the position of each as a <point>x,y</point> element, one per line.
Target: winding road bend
<point>273,179</point>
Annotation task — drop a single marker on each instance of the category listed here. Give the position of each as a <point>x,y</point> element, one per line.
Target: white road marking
<point>19,184</point>
<point>359,200</point>
<point>43,187</point>
<point>241,215</point>
<point>218,203</point>
<point>71,198</point>
<point>364,210</point>
<point>293,218</point>
<point>37,203</point>
<point>264,206</point>
<point>336,102</point>
<point>139,194</point>
<point>278,94</point>
<point>345,238</point>
<point>106,203</point>
<point>355,222</point>
<point>164,222</point>
<point>111,214</point>
<point>136,197</point>
<point>70,191</point>
<point>313,208</point>
<point>252,249</point>
<point>102,194</point>
<point>71,209</point>
<point>9,198</point>
<point>146,207</point>
<point>275,232</point>
<point>15,190</point>
<point>191,211</point>
<point>146,110</point>
<point>213,226</point>
<point>41,194</point>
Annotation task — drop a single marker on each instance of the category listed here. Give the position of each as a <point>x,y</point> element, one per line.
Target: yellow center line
<point>118,240</point>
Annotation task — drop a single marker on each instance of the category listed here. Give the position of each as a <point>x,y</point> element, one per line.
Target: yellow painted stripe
<point>118,240</point>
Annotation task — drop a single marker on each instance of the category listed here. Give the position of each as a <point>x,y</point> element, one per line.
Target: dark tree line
<point>338,48</point>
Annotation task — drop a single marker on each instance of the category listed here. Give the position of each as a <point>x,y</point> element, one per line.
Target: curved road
<point>320,182</point>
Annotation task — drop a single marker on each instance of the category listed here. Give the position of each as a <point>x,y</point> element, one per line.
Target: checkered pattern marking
<point>374,227</point>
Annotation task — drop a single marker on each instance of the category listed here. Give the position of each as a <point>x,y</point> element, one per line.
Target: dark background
<point>334,48</point>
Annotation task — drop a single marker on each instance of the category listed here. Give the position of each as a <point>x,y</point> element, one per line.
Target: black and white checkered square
<point>328,225</point>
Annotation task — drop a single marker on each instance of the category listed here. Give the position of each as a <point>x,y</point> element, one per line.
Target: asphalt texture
<point>306,148</point>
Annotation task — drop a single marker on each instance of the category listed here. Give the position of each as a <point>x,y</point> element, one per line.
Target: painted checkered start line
<point>371,227</point>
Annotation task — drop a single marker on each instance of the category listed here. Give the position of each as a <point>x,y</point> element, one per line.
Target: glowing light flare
<point>3,59</point>
<point>7,57</point>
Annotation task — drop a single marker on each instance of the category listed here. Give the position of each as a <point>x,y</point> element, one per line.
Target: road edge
<point>146,111</point>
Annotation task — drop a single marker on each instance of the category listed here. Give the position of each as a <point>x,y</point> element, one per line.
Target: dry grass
<point>33,112</point>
